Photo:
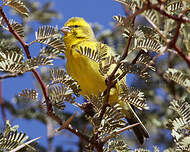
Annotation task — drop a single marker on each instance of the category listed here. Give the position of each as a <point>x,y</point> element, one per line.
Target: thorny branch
<point>171,44</point>
<point>179,19</point>
<point>50,111</point>
<point>109,82</point>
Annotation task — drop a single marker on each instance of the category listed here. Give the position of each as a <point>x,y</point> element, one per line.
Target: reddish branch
<point>17,36</point>
<point>43,86</point>
<point>109,81</point>
<point>186,58</point>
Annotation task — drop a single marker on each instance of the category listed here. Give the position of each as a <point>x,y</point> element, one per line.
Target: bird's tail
<point>139,130</point>
<point>132,118</point>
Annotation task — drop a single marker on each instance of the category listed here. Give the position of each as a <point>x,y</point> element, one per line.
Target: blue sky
<point>97,11</point>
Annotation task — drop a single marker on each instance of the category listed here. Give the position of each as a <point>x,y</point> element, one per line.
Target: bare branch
<point>66,123</point>
<point>10,75</point>
<point>119,131</point>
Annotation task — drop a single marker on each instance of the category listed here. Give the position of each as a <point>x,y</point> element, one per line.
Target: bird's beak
<point>65,29</point>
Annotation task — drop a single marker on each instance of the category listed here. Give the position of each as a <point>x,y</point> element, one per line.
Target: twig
<point>172,43</point>
<point>44,88</point>
<point>17,36</point>
<point>8,75</point>
<point>176,18</point>
<point>157,8</point>
<point>186,58</point>
<point>109,80</point>
<point>26,49</point>
<point>24,144</point>
<point>119,131</point>
<point>66,123</point>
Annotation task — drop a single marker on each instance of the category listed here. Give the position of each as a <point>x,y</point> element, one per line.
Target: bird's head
<point>76,29</point>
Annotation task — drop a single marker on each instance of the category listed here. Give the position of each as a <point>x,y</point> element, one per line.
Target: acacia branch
<point>172,44</point>
<point>186,58</point>
<point>26,49</point>
<point>17,36</point>
<point>50,111</point>
<point>179,19</point>
<point>156,7</point>
<point>109,80</point>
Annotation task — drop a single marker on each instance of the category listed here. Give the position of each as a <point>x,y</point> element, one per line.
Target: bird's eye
<point>75,26</point>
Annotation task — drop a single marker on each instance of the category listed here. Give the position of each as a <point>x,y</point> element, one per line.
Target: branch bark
<point>50,111</point>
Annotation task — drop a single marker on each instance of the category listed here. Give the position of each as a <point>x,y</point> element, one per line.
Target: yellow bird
<point>78,33</point>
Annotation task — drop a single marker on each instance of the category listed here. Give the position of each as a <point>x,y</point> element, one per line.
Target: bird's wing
<point>92,49</point>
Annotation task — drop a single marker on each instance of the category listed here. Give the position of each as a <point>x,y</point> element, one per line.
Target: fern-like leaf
<point>57,44</point>
<point>104,65</point>
<point>120,19</point>
<point>182,108</point>
<point>59,94</point>
<point>19,6</point>
<point>178,77</point>
<point>136,69</point>
<point>183,144</point>
<point>59,76</point>
<point>29,93</point>
<point>5,66</point>
<point>172,6</point>
<point>45,33</point>
<point>146,39</point>
<point>128,25</point>
<point>112,119</point>
<point>134,97</point>
<point>11,138</point>
<point>141,150</point>
<point>145,59</point>
<point>36,62</point>
<point>50,52</point>
<point>147,44</point>
<point>11,62</point>
<point>12,57</point>
<point>118,144</point>
<point>181,124</point>
<point>131,4</point>
<point>152,16</point>
<point>94,55</point>
<point>17,27</point>
<point>49,35</point>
